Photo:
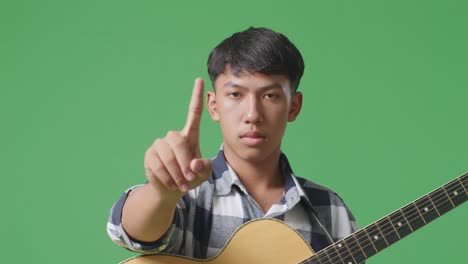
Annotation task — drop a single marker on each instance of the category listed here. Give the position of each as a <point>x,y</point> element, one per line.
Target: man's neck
<point>261,174</point>
<point>262,178</point>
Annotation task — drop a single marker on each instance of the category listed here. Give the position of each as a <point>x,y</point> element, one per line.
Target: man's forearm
<point>147,214</point>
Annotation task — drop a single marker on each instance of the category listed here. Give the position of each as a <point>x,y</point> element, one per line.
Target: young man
<point>190,205</point>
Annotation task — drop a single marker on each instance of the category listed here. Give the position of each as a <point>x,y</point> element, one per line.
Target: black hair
<point>257,50</point>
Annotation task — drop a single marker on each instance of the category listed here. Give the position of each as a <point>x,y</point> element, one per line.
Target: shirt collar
<point>225,179</point>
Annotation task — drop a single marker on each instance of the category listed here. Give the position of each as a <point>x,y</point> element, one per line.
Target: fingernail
<point>190,176</point>
<point>184,187</point>
<point>198,166</point>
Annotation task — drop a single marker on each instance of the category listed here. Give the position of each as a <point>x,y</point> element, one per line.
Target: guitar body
<point>269,240</point>
<point>258,241</point>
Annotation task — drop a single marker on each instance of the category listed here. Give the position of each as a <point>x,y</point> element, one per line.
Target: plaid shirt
<point>207,216</point>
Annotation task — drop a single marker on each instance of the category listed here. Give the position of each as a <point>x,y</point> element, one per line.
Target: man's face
<point>253,110</point>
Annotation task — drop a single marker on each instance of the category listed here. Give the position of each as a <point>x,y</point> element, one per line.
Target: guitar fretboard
<point>379,235</point>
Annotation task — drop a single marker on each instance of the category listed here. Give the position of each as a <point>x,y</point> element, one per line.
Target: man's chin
<point>254,154</point>
<point>257,153</point>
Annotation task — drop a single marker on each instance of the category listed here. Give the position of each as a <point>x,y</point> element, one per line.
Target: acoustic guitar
<point>264,240</point>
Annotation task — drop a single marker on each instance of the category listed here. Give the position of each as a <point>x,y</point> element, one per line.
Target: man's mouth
<point>252,138</point>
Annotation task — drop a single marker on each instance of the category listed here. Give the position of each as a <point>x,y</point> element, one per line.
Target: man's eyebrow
<point>266,87</point>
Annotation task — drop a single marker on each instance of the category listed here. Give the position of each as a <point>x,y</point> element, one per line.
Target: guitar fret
<point>427,208</point>
<point>368,237</point>
<point>338,253</point>
<point>322,255</point>
<point>435,207</point>
<point>391,235</point>
<point>332,259</point>
<point>448,196</point>
<point>390,222</point>
<point>413,216</point>
<point>355,249</point>
<point>381,233</point>
<point>464,182</point>
<point>350,254</point>
<point>316,260</point>
<point>365,243</point>
<point>343,252</point>
<point>376,237</point>
<point>419,212</point>
<point>440,197</point>
<point>456,191</point>
<point>400,224</point>
<point>406,220</point>
<point>461,183</point>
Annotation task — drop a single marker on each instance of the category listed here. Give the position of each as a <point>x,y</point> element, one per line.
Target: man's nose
<point>254,112</point>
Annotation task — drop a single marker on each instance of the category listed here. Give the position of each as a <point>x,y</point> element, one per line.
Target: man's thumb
<point>202,168</point>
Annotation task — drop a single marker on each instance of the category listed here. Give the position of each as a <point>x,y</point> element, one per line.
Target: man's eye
<point>234,94</point>
<point>271,95</point>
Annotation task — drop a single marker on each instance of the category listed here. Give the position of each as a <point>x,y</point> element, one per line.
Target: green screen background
<point>86,86</point>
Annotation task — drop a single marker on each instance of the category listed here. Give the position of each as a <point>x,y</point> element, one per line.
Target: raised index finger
<point>192,126</point>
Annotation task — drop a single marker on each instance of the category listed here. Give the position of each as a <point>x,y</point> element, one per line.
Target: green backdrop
<point>86,86</point>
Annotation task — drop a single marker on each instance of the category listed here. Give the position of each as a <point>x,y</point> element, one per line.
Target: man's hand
<point>174,163</point>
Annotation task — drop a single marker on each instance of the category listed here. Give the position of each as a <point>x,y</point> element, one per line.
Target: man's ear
<point>211,105</point>
<point>296,105</point>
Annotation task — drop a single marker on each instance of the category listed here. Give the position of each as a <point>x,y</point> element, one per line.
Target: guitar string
<point>338,257</point>
<point>441,195</point>
<point>409,218</point>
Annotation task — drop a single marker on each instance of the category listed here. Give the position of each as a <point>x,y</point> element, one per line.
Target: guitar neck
<point>390,229</point>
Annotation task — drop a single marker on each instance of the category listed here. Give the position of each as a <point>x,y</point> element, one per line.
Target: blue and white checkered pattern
<point>207,216</point>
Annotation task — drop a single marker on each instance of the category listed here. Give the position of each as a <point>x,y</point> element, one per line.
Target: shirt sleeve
<point>343,223</point>
<point>170,242</point>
